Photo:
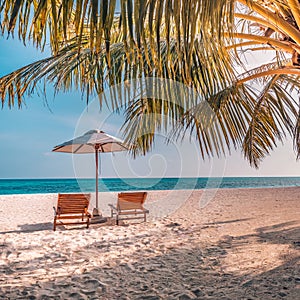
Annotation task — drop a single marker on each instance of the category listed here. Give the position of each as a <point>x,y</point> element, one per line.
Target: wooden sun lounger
<point>130,206</point>
<point>72,207</point>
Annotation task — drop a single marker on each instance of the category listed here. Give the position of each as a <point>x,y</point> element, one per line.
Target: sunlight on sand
<point>243,243</point>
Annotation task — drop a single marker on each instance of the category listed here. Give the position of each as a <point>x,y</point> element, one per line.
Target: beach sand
<point>217,244</point>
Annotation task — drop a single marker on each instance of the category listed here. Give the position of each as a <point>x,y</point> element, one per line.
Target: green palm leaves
<point>198,43</point>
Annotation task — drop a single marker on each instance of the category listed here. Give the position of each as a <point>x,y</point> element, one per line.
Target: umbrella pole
<point>97,216</point>
<point>96,210</point>
<point>97,166</point>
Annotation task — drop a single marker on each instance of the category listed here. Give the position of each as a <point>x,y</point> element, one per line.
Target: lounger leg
<point>117,220</point>
<point>54,224</point>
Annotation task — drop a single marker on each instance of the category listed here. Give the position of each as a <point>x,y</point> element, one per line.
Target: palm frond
<point>256,72</point>
<point>272,117</point>
<point>192,42</point>
<point>156,105</point>
<point>90,71</point>
<point>141,24</point>
<point>242,116</point>
<point>219,121</point>
<point>276,14</point>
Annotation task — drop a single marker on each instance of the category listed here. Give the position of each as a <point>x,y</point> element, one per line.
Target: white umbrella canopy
<point>88,142</point>
<point>93,141</point>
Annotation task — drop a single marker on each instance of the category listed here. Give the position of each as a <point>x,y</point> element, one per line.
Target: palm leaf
<point>273,116</point>
<point>90,71</point>
<point>192,42</point>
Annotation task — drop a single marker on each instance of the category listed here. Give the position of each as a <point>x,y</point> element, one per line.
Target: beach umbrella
<point>93,141</point>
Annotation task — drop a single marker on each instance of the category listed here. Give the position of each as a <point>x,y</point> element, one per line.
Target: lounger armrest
<point>113,207</point>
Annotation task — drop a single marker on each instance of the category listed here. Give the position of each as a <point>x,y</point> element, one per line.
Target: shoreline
<point>241,243</point>
<point>169,177</point>
<point>166,190</point>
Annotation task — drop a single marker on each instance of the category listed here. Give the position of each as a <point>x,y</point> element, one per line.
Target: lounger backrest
<point>133,200</point>
<point>73,203</point>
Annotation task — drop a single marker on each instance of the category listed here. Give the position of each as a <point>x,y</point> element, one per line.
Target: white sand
<point>225,244</point>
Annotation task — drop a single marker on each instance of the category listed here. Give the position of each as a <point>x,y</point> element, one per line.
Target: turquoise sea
<point>37,186</point>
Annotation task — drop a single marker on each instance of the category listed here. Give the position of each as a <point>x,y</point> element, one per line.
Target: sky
<point>27,136</point>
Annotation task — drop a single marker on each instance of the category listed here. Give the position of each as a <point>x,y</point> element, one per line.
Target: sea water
<point>37,186</point>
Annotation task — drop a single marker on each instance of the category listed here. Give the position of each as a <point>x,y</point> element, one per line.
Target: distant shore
<point>202,244</point>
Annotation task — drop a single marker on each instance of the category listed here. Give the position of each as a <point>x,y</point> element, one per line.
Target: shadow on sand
<point>26,228</point>
<point>186,271</point>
